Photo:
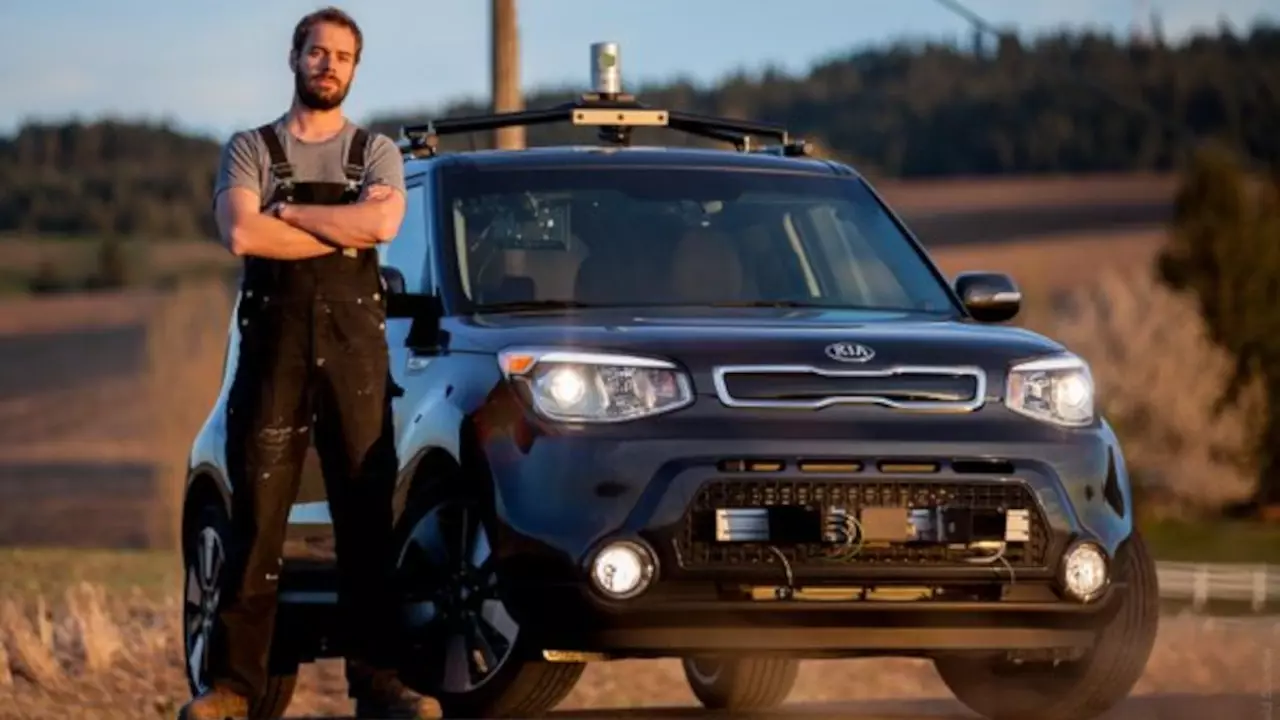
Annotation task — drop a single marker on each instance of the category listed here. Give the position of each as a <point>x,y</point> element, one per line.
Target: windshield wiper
<point>531,305</point>
<point>826,306</point>
<point>772,304</point>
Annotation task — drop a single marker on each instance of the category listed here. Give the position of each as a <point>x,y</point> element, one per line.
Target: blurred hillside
<point>905,111</point>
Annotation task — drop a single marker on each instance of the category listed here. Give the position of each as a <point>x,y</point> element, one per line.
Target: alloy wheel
<point>200,606</point>
<point>453,607</point>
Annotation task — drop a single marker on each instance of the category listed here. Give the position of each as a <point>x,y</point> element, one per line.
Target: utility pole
<point>504,43</point>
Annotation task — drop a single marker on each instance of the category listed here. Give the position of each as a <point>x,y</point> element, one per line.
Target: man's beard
<point>311,99</point>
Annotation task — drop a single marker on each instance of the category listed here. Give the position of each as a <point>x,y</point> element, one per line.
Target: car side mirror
<point>989,297</point>
<point>392,280</point>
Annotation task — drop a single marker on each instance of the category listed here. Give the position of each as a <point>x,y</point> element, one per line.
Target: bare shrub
<point>98,637</point>
<point>44,622</point>
<point>6,675</point>
<point>1159,378</point>
<point>30,656</point>
<point>186,346</point>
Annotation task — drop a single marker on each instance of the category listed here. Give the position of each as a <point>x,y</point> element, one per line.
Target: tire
<point>741,684</point>
<point>204,559</point>
<point>1080,689</point>
<point>445,623</point>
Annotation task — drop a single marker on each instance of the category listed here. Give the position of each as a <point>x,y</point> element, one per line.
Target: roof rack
<point>614,112</point>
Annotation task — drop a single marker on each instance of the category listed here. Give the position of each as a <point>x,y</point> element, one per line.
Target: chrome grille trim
<point>720,373</point>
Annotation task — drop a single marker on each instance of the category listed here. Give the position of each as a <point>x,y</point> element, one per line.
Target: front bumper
<point>567,619</point>
<point>562,495</point>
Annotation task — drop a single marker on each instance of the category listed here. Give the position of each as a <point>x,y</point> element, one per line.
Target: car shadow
<point>1143,707</point>
<point>1171,706</point>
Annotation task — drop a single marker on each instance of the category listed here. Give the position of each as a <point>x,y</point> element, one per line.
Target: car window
<point>680,236</point>
<point>408,251</point>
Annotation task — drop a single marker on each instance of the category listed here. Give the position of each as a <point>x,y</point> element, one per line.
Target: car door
<point>408,253</point>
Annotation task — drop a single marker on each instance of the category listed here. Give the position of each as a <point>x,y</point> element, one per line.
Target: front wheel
<point>205,561</point>
<point>465,648</point>
<point>1075,690</point>
<point>741,684</point>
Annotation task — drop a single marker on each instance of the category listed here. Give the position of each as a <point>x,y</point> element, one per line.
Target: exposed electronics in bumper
<point>792,524</point>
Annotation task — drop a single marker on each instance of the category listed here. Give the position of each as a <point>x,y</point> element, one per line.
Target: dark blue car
<point>716,405</point>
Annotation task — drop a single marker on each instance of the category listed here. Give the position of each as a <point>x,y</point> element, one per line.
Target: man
<point>305,200</point>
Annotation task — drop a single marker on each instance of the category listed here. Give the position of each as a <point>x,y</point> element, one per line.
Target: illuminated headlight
<point>597,387</point>
<point>1057,389</point>
<point>622,570</point>
<point>1084,572</point>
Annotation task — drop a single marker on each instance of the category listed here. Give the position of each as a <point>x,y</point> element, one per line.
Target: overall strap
<point>280,166</point>
<point>356,154</point>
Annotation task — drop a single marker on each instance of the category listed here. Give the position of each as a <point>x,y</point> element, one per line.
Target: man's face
<point>323,70</point>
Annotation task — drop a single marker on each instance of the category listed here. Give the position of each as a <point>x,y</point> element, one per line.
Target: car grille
<point>959,389</point>
<point>696,551</point>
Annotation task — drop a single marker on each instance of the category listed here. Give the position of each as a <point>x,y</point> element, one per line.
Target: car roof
<point>594,155</point>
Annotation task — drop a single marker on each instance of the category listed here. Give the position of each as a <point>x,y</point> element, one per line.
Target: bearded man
<point>305,200</point>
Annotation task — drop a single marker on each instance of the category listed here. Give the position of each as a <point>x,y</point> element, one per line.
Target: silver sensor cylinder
<point>606,68</point>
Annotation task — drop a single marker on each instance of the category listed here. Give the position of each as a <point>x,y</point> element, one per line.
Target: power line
<point>969,16</point>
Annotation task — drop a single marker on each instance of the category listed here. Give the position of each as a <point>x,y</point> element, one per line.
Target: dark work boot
<point>216,704</point>
<point>380,694</point>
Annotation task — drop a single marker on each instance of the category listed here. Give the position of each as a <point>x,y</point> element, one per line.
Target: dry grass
<point>6,673</point>
<point>72,261</point>
<point>1048,265</point>
<point>99,637</point>
<point>29,645</point>
<point>74,312</point>
<point>77,256</point>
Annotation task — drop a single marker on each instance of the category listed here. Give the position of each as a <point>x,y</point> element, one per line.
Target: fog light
<point>1084,571</point>
<point>622,569</point>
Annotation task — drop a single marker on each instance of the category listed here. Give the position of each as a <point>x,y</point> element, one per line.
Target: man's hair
<point>326,15</point>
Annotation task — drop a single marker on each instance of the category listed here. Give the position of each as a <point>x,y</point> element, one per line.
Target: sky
<point>214,67</point>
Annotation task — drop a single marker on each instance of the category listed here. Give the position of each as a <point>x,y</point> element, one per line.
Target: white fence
<point>1203,583</point>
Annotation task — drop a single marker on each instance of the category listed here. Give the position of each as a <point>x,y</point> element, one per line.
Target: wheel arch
<point>1117,488</point>
<point>460,455</point>
<point>206,486</point>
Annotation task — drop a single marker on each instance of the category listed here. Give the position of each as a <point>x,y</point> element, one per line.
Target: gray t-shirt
<point>246,163</point>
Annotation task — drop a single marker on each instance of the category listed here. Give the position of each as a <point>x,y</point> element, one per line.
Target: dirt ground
<point>1214,667</point>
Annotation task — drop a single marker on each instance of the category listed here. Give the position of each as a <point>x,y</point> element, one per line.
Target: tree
<point>1224,248</point>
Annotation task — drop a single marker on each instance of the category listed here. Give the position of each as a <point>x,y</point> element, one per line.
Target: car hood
<point>701,339</point>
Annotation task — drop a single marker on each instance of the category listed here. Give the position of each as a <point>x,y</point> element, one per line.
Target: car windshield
<point>656,236</point>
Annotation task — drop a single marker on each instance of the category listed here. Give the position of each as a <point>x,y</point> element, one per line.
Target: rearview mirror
<point>989,297</point>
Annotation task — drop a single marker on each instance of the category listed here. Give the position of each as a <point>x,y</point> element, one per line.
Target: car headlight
<point>571,386</point>
<point>1056,389</point>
